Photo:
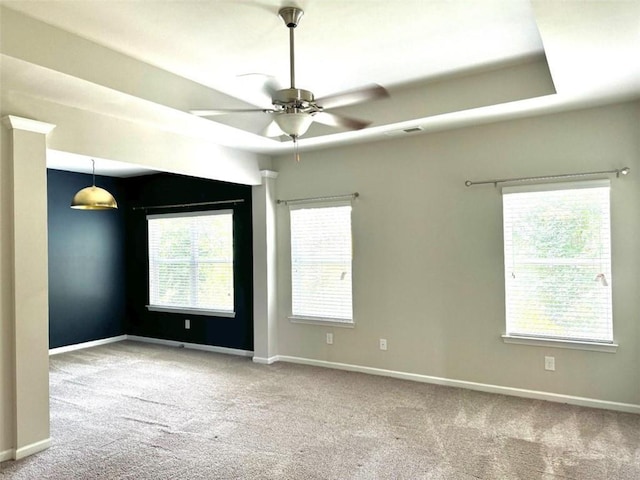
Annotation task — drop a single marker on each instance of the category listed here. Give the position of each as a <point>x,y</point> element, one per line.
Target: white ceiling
<point>423,51</point>
<point>72,162</point>
<point>340,44</point>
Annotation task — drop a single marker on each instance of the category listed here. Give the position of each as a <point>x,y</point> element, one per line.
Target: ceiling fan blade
<point>370,92</point>
<point>270,87</point>
<point>263,84</point>
<point>213,113</point>
<point>340,121</point>
<point>272,130</point>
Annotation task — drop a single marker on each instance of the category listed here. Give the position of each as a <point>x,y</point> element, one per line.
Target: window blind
<point>321,262</point>
<point>557,253</point>
<point>191,260</point>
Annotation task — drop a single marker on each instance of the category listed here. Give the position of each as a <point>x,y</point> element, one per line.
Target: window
<point>557,251</point>
<point>321,263</point>
<point>191,262</point>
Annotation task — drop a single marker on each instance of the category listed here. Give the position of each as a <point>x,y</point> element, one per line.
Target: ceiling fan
<point>294,109</point>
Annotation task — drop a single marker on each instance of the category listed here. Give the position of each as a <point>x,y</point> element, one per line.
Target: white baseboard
<point>80,346</point>
<point>265,360</point>
<point>7,455</point>
<point>32,448</point>
<point>157,341</point>
<point>194,346</point>
<point>481,387</point>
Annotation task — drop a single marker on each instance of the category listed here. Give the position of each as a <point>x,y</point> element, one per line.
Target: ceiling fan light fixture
<point>294,109</point>
<point>294,124</point>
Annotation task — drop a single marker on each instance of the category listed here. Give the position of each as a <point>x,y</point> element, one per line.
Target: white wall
<point>428,261</point>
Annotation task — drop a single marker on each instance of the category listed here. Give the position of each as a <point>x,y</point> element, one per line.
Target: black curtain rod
<point>185,205</point>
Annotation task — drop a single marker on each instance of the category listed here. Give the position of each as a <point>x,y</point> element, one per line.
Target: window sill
<point>333,322</point>
<point>558,343</point>
<point>192,311</point>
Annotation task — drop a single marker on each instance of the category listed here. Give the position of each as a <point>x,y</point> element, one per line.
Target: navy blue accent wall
<point>87,268</point>
<point>168,189</point>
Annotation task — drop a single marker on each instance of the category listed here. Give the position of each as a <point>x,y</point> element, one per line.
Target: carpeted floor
<point>138,411</point>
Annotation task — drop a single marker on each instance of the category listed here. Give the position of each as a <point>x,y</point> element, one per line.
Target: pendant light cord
<point>93,163</point>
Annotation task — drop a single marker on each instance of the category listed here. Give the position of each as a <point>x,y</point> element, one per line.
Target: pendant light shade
<point>294,124</point>
<point>93,198</point>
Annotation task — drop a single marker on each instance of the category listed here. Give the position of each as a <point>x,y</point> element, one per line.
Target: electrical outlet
<point>330,338</point>
<point>187,324</point>
<point>383,344</point>
<point>550,363</point>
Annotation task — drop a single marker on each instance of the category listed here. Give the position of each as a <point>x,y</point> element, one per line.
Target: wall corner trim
<point>269,174</point>
<point>32,448</point>
<point>265,360</point>
<point>7,455</point>
<point>20,123</point>
<point>480,387</point>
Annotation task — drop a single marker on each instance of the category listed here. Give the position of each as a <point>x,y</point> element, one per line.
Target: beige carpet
<point>138,411</point>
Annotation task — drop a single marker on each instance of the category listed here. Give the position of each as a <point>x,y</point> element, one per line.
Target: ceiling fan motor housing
<point>295,98</point>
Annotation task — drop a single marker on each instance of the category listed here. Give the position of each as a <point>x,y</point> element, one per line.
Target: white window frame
<point>551,341</point>
<point>186,309</point>
<point>321,319</point>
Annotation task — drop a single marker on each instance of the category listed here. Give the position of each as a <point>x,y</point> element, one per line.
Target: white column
<point>265,312</point>
<point>30,288</point>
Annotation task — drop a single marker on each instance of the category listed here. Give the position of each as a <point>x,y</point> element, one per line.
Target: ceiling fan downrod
<point>292,99</point>
<point>291,17</point>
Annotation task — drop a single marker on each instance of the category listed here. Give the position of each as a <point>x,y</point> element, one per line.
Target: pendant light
<point>93,198</point>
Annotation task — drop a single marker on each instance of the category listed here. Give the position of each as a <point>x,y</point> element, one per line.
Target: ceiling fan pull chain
<point>296,153</point>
